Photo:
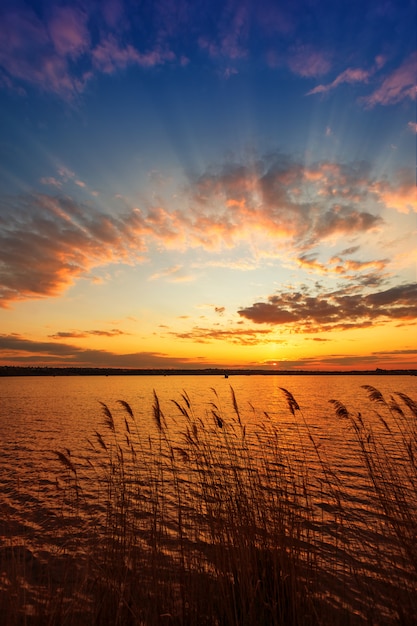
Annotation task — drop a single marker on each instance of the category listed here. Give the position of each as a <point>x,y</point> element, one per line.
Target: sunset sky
<point>189,183</point>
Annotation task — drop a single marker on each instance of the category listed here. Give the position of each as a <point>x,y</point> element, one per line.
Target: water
<point>42,415</point>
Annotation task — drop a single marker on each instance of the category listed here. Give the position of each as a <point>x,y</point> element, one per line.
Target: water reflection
<point>307,459</point>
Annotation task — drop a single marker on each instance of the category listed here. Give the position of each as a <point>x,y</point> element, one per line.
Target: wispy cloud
<point>231,35</point>
<point>28,52</point>
<point>68,31</point>
<point>82,334</point>
<point>175,274</point>
<point>111,55</point>
<point>60,53</point>
<point>307,61</point>
<point>51,181</point>
<point>398,86</point>
<point>340,265</point>
<point>350,75</point>
<point>237,335</point>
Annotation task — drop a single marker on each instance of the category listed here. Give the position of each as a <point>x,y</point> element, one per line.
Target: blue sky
<point>225,183</point>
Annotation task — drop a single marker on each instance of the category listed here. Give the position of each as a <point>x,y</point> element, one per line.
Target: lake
<point>42,415</point>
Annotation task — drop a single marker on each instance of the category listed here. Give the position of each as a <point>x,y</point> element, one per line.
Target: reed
<point>216,519</point>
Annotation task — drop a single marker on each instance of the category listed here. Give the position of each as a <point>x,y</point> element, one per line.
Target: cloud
<point>308,62</point>
<point>340,265</point>
<point>401,359</point>
<point>399,194</point>
<point>68,31</point>
<point>33,54</point>
<point>344,220</point>
<point>17,350</point>
<point>395,352</point>
<point>87,333</point>
<point>110,55</point>
<point>60,49</point>
<point>271,208</point>
<point>60,52</point>
<point>412,126</point>
<point>227,44</point>
<point>398,86</point>
<point>51,181</point>
<point>47,242</point>
<point>175,274</point>
<point>278,199</point>
<point>239,336</point>
<point>343,309</point>
<point>350,75</point>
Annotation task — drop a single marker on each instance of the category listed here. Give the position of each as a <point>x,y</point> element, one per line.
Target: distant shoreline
<point>10,370</point>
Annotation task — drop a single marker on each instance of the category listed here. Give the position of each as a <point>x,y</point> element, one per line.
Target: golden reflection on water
<point>39,416</point>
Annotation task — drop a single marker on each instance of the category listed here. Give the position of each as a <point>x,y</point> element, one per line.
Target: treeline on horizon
<point>19,370</point>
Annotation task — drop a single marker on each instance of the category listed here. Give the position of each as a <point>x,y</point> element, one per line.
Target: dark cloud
<point>395,352</point>
<point>335,310</point>
<point>346,220</point>
<point>87,333</point>
<point>395,359</point>
<point>16,350</point>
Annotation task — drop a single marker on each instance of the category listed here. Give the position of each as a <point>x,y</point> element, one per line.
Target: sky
<point>193,184</point>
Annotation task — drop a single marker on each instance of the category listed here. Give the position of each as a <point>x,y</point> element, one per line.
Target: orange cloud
<point>47,242</point>
<point>239,336</point>
<point>403,198</point>
<point>277,198</point>
<point>268,207</point>
<point>339,265</point>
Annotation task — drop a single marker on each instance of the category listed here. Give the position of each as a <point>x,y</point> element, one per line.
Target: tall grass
<point>219,520</point>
